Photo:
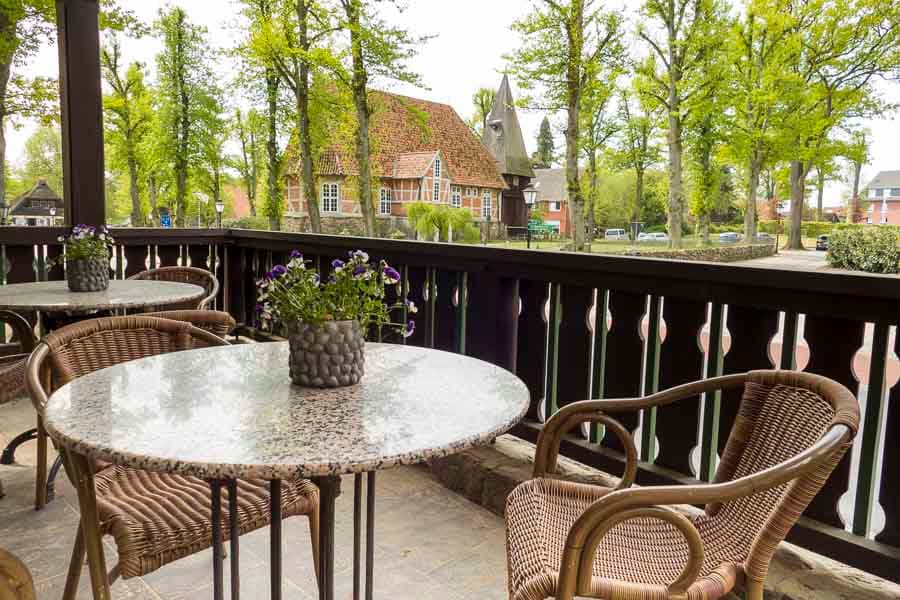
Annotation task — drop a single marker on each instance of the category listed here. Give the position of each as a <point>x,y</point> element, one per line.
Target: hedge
<point>709,253</point>
<point>870,249</point>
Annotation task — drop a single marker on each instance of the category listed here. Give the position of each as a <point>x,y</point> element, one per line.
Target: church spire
<point>503,135</point>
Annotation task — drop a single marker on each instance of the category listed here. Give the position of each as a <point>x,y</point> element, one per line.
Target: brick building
<point>884,199</point>
<point>552,199</point>
<point>422,151</point>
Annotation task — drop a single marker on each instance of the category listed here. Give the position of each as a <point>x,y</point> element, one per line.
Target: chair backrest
<point>23,333</point>
<point>782,414</point>
<point>16,582</point>
<point>13,354</point>
<point>200,277</point>
<point>216,322</point>
<point>85,347</point>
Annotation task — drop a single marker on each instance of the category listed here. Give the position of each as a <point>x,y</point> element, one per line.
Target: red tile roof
<point>404,131</point>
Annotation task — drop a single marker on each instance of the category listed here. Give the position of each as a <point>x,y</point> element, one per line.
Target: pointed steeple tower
<point>503,135</point>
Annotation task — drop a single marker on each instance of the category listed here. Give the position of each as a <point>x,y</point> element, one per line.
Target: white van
<point>615,234</point>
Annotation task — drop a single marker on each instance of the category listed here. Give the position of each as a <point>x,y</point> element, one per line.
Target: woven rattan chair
<point>200,277</point>
<point>16,582</point>
<point>568,539</point>
<point>12,362</point>
<point>154,518</point>
<point>218,323</point>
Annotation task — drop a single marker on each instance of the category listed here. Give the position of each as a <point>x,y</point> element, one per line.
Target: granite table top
<point>55,296</point>
<point>232,412</point>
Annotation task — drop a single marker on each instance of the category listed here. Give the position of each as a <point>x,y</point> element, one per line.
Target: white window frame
<point>437,167</point>
<point>455,196</point>
<point>487,199</point>
<point>385,199</point>
<point>555,206</point>
<point>331,192</point>
<point>436,191</point>
<point>471,192</point>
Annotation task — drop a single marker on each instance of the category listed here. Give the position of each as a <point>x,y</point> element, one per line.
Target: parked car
<point>615,234</point>
<point>658,237</point>
<point>822,242</point>
<point>729,237</point>
<point>763,236</point>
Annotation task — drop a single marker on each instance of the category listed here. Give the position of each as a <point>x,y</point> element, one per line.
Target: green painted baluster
<point>41,263</point>
<point>709,441</point>
<point>462,303</point>
<point>651,380</point>
<point>551,399</point>
<point>871,432</point>
<point>598,368</point>
<point>431,308</point>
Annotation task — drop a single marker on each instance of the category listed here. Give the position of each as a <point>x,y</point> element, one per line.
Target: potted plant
<point>327,321</point>
<point>87,252</point>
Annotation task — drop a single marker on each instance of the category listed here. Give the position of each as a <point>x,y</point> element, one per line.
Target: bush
<point>247,223</point>
<point>870,249</point>
<point>397,235</point>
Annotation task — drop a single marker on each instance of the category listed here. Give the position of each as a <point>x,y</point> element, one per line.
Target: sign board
<point>165,220</point>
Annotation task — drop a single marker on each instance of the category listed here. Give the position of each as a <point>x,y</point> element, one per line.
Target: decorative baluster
<point>651,378</point>
<point>461,301</point>
<point>624,354</point>
<point>598,356</point>
<point>574,345</point>
<point>554,318</point>
<point>890,460</point>
<point>710,424</point>
<point>531,365</point>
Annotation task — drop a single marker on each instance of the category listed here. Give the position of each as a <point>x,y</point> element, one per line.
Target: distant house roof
<point>886,179</point>
<point>550,185</point>
<point>240,202</point>
<point>37,202</point>
<point>404,131</point>
<point>503,134</point>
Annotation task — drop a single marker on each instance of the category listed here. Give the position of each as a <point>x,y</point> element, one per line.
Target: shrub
<point>247,223</point>
<point>397,235</point>
<point>870,249</point>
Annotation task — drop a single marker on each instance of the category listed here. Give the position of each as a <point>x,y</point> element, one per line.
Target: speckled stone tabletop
<point>54,296</point>
<point>232,411</point>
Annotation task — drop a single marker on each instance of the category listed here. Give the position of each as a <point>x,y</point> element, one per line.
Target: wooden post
<point>81,105</point>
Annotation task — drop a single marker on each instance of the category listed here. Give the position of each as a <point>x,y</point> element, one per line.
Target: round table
<point>231,412</point>
<point>54,297</point>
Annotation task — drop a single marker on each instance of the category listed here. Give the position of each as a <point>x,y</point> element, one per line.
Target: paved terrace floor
<point>430,542</point>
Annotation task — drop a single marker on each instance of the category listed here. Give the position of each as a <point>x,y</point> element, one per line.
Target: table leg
<point>275,537</point>
<point>83,472</point>
<point>370,533</point>
<point>234,536</point>
<point>357,529</point>
<point>329,490</point>
<point>215,486</point>
<point>51,478</point>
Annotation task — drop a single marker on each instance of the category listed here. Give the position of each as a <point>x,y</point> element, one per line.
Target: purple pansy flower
<point>391,274</point>
<point>337,264</point>
<point>360,270</point>
<point>278,270</point>
<point>410,329</point>
<point>411,307</point>
<point>296,254</point>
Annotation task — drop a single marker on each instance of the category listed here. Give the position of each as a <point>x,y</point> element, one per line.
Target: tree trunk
<point>676,191</point>
<point>2,160</point>
<point>361,102</point>
<point>638,196</point>
<point>592,201</point>
<point>853,209</point>
<point>821,194</point>
<point>183,131</point>
<point>154,211</point>
<point>307,174</point>
<point>798,193</point>
<point>137,218</point>
<point>750,211</point>
<point>704,228</point>
<point>273,189</point>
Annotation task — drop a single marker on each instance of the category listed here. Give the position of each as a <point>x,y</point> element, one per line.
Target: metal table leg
<point>218,581</point>
<point>234,536</point>
<point>370,533</point>
<point>329,490</point>
<point>275,537</point>
<point>51,478</point>
<point>8,456</point>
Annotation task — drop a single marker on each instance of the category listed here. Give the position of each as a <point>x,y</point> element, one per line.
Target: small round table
<point>54,297</point>
<point>231,412</point>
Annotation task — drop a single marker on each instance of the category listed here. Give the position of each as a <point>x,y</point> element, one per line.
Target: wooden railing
<point>540,314</point>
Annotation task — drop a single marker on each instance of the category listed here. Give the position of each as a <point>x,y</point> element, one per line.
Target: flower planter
<point>91,275</point>
<point>328,355</point>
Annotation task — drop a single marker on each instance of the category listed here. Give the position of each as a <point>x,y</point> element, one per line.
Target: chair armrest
<point>566,418</point>
<point>22,328</point>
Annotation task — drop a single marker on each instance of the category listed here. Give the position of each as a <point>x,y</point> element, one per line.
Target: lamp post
<point>220,208</point>
<point>52,216</point>
<point>4,212</point>
<point>530,197</point>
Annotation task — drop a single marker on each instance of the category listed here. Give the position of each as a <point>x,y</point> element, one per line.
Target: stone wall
<point>487,474</point>
<point>709,253</point>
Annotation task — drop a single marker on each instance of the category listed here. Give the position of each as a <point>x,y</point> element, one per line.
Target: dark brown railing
<point>534,313</point>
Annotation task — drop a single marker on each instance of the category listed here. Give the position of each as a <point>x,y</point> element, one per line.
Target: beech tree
<point>483,101</point>
<point>637,146</point>
<point>857,153</point>
<point>127,110</point>
<point>565,45</point>
<point>250,164</point>
<point>689,31</point>
<point>599,125</point>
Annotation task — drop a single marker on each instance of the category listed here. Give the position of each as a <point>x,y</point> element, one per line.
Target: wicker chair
<point>16,582</point>
<point>218,323</point>
<point>12,361</point>
<point>154,518</point>
<point>200,277</point>
<point>566,539</point>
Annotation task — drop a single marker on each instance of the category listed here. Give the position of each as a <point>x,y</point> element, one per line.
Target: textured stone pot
<point>91,275</point>
<point>328,355</point>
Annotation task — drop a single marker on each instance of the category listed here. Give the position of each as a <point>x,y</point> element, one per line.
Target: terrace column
<point>81,106</point>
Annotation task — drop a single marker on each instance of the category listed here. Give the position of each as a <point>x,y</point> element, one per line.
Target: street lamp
<point>4,212</point>
<point>220,208</point>
<point>52,216</point>
<point>530,198</point>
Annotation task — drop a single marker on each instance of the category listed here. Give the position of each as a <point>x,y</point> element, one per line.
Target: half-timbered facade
<point>423,152</point>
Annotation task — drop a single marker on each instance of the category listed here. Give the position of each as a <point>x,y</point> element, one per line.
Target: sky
<point>470,39</point>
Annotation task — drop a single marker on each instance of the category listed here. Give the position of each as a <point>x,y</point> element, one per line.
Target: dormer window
<point>437,167</point>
